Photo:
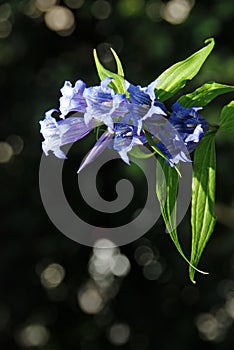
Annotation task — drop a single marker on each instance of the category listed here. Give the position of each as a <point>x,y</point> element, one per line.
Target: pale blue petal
<point>72,99</point>
<point>103,104</point>
<point>154,112</point>
<point>124,152</point>
<point>57,134</point>
<point>74,128</point>
<point>97,149</point>
<point>50,131</point>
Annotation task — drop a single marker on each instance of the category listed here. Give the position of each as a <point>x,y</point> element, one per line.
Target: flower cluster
<point>128,118</point>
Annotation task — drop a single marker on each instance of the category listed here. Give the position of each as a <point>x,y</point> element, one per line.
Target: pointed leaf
<point>205,94</point>
<point>175,77</point>
<point>166,190</point>
<point>203,198</point>
<point>227,118</point>
<point>117,83</point>
<point>118,63</point>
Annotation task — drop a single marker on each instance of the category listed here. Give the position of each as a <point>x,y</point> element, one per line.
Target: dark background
<point>54,293</point>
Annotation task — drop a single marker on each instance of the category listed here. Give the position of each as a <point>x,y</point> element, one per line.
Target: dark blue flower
<point>189,123</point>
<point>189,127</point>
<point>144,104</point>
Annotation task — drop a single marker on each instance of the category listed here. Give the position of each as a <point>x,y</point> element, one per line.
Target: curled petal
<point>196,135</point>
<point>50,131</point>
<point>57,134</point>
<point>72,99</point>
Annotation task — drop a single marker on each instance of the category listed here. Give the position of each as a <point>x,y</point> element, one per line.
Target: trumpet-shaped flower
<point>144,104</point>
<point>62,132</point>
<point>104,104</point>
<point>189,123</point>
<point>121,137</point>
<point>189,127</point>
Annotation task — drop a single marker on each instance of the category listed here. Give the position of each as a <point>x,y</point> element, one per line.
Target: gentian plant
<point>130,116</point>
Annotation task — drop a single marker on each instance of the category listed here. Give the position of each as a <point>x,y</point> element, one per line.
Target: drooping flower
<point>62,132</point>
<point>59,133</point>
<point>189,123</point>
<point>189,127</point>
<point>121,138</point>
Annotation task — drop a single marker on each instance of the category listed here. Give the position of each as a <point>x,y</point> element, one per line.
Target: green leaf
<point>203,198</point>
<point>167,180</point>
<point>175,77</point>
<point>117,83</point>
<point>205,94</point>
<point>166,190</point>
<point>227,118</point>
<point>120,70</point>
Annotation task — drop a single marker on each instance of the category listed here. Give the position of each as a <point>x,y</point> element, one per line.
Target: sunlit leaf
<point>205,94</point>
<point>117,83</point>
<point>203,198</point>
<point>167,181</point>
<point>175,77</point>
<point>120,70</point>
<point>227,118</point>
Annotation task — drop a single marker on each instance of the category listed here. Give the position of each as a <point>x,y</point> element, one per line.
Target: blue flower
<point>99,105</point>
<point>104,104</point>
<point>189,123</point>
<point>189,127</point>
<point>125,118</point>
<point>57,134</point>
<point>121,138</point>
<point>72,99</point>
<point>144,105</point>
